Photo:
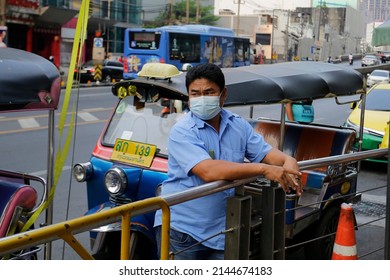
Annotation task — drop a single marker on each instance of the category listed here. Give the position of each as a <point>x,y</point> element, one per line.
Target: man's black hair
<point>207,71</point>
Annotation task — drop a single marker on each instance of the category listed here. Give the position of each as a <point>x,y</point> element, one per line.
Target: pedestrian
<point>301,111</point>
<point>208,144</point>
<point>350,59</point>
<point>3,33</point>
<point>51,59</point>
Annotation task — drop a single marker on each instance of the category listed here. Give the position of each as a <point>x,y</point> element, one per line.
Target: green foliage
<point>179,15</point>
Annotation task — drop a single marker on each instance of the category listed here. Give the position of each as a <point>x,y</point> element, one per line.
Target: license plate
<point>133,152</point>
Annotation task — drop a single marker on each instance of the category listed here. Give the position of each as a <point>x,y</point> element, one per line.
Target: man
<point>209,144</point>
<point>302,112</point>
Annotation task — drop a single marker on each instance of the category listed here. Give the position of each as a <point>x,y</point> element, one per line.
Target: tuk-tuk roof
<point>271,83</point>
<point>27,81</point>
<point>290,81</point>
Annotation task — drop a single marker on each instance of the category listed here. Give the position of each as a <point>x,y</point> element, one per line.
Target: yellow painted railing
<point>66,230</point>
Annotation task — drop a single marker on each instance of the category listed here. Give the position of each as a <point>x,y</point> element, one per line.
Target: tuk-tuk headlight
<point>82,171</point>
<point>115,181</point>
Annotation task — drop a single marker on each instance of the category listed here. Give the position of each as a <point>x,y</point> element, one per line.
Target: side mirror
<point>353,105</point>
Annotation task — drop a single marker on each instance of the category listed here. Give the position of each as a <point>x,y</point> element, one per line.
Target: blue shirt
<point>191,141</point>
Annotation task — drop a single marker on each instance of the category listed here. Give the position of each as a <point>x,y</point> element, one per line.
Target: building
<point>375,10</point>
<point>312,33</point>
<point>47,27</point>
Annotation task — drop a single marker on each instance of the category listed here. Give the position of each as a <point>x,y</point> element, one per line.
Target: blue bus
<point>179,45</point>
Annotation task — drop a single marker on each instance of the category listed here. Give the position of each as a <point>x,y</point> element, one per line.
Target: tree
<point>179,14</point>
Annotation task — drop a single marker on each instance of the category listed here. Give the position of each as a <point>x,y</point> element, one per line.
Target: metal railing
<point>68,229</point>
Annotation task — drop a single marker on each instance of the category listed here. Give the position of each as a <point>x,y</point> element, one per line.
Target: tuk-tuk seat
<point>307,141</point>
<point>13,195</point>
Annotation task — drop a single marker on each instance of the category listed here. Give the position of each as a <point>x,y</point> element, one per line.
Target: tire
<point>322,249</point>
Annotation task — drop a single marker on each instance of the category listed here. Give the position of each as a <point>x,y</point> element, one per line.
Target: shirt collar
<point>225,119</point>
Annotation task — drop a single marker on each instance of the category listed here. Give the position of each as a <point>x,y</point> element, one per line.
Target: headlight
<point>82,171</point>
<point>115,181</point>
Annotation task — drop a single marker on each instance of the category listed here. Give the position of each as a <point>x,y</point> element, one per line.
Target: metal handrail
<point>66,230</point>
<point>353,157</point>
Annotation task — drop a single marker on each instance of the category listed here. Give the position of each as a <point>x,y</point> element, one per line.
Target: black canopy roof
<point>272,83</point>
<point>290,81</point>
<point>27,81</point>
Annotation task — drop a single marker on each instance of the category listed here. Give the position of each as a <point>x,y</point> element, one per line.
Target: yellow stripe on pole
<point>62,151</point>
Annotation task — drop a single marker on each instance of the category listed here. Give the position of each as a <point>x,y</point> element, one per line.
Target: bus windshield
<point>145,40</point>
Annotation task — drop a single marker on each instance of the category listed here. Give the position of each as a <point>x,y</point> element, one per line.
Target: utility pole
<point>319,21</point>
<point>108,28</point>
<point>238,15</point>
<point>2,12</point>
<point>188,11</point>
<point>197,10</point>
<point>286,37</point>
<point>170,12</point>
<point>272,36</point>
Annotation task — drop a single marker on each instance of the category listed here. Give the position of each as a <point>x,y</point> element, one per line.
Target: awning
<point>381,35</point>
<point>95,23</point>
<point>56,15</point>
<point>125,25</point>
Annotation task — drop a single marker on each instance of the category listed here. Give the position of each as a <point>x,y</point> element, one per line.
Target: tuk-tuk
<point>129,161</point>
<point>22,194</point>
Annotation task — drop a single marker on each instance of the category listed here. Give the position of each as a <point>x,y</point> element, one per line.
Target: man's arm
<point>276,166</point>
<point>289,112</point>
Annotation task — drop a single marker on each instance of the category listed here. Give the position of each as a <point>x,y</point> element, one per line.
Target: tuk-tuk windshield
<point>142,122</point>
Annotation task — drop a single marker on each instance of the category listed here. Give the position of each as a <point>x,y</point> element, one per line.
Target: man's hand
<point>286,171</point>
<point>288,178</point>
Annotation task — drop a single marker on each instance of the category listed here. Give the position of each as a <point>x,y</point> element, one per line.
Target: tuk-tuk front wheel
<point>322,249</point>
<point>141,248</point>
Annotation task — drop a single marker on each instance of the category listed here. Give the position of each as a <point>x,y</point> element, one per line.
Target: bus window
<point>238,50</point>
<point>145,40</point>
<point>184,47</point>
<point>247,50</point>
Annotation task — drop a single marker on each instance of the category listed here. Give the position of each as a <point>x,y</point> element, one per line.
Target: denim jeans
<point>180,241</point>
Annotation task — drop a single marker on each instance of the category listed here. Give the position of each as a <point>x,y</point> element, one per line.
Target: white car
<point>378,76</point>
<point>370,60</point>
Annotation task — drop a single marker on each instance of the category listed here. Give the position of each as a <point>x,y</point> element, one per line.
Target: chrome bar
<point>313,163</point>
<point>50,172</point>
<point>282,125</point>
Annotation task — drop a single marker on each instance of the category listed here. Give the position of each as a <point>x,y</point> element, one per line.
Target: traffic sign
<point>98,73</point>
<point>98,42</point>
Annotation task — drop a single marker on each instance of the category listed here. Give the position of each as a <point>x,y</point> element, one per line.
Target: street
<point>24,143</point>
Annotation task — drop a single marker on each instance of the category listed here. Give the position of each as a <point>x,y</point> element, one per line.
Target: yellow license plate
<point>133,152</point>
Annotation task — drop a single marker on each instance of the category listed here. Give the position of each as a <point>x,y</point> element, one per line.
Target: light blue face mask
<point>205,107</point>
